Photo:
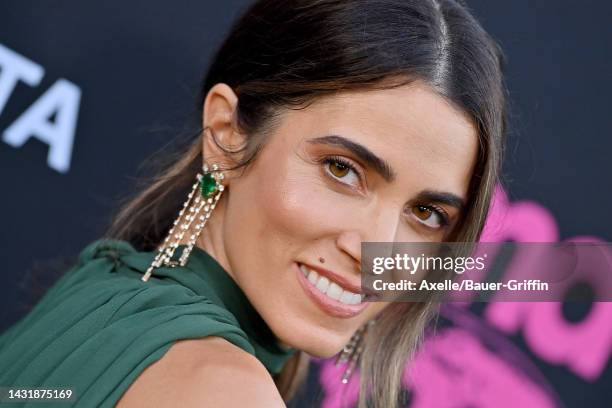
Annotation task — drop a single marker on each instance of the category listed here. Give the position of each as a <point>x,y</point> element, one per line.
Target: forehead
<point>420,134</point>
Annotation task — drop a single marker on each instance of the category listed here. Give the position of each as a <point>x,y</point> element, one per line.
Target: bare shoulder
<point>203,372</point>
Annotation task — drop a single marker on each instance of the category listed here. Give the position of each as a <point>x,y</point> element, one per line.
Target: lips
<point>330,287</point>
<point>352,286</point>
<point>334,296</point>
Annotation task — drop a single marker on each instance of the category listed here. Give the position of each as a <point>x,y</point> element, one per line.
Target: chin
<point>325,353</point>
<point>316,341</point>
<point>321,350</point>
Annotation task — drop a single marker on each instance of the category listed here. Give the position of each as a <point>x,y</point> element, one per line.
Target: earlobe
<point>215,151</point>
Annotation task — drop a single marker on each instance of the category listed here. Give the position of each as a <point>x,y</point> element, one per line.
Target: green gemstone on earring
<point>208,185</point>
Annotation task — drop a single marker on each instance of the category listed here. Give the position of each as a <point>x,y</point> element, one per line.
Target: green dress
<point>100,325</point>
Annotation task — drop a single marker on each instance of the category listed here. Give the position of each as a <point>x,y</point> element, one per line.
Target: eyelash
<point>445,221</point>
<point>344,162</point>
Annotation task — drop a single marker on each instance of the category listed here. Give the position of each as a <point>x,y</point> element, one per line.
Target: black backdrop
<point>89,90</point>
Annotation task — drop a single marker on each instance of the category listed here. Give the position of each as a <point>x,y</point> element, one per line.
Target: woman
<point>325,123</point>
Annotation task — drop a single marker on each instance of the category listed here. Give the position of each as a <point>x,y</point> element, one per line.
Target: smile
<point>335,300</point>
<point>329,288</point>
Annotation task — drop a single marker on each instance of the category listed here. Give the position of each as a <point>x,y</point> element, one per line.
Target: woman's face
<point>349,168</point>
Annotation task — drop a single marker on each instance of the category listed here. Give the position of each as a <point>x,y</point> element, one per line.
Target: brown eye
<point>338,169</point>
<point>342,170</point>
<point>422,212</point>
<point>428,216</point>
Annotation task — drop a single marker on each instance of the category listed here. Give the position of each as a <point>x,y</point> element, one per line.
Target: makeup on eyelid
<point>433,208</point>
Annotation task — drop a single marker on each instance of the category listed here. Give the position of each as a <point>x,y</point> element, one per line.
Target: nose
<point>383,227</point>
<point>383,224</point>
<point>350,243</point>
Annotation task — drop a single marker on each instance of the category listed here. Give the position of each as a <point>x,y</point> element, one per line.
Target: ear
<point>220,131</point>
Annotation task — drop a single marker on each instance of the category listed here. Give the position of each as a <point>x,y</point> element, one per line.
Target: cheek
<point>297,205</point>
<point>276,211</point>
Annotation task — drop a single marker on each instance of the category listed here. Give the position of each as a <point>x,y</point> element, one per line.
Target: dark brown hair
<point>283,54</point>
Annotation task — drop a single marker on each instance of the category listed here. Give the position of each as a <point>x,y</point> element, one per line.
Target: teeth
<point>331,289</point>
<point>322,284</point>
<point>334,291</point>
<point>312,277</point>
<point>347,297</point>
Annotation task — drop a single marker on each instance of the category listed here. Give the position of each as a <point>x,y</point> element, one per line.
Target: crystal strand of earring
<point>349,347</point>
<point>352,363</point>
<point>194,210</point>
<point>346,351</point>
<point>191,216</point>
<point>165,252</point>
<point>182,224</point>
<point>352,351</point>
<point>209,205</point>
<point>356,355</point>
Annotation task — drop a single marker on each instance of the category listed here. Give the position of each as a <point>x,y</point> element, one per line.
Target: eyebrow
<point>383,168</point>
<point>379,165</point>
<point>442,197</point>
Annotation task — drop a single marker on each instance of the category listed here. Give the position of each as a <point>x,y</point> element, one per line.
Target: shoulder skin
<point>204,372</point>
